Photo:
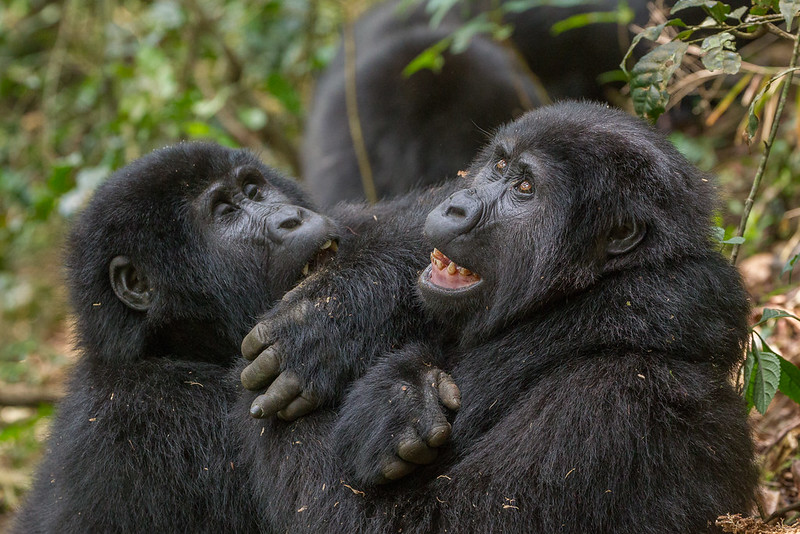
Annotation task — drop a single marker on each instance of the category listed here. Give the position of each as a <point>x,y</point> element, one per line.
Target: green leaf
<point>750,365</point>
<point>790,265</point>
<point>789,9</point>
<point>752,120</point>
<point>651,34</point>
<point>438,9</point>
<point>770,314</point>
<point>767,378</point>
<point>584,19</point>
<point>430,58</point>
<point>720,12</point>
<point>738,13</point>
<point>680,5</point>
<point>720,53</point>
<point>464,34</point>
<point>718,233</point>
<point>790,380</point>
<point>650,76</point>
<point>734,241</point>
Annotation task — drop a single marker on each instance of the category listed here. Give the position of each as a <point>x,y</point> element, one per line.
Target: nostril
<point>290,224</point>
<point>455,211</point>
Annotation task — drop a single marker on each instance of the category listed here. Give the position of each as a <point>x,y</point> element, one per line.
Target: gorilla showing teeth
<point>593,357</point>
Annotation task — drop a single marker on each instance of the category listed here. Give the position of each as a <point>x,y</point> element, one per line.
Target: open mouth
<point>321,257</point>
<point>444,273</point>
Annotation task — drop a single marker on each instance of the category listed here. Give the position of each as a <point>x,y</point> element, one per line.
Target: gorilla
<point>168,268</point>
<point>417,130</point>
<point>592,329</point>
<point>425,128</point>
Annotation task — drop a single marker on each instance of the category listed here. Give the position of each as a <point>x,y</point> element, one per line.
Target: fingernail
<point>255,411</point>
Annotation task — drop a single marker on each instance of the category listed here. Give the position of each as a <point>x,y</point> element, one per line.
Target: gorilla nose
<point>286,220</point>
<point>455,216</point>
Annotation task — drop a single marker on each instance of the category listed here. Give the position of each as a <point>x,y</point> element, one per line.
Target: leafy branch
<point>765,371</point>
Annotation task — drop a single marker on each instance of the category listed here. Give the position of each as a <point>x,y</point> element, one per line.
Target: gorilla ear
<point>129,284</point>
<point>625,237</point>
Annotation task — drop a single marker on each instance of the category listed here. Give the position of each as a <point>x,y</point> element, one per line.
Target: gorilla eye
<point>251,191</point>
<point>500,165</point>
<point>525,186</point>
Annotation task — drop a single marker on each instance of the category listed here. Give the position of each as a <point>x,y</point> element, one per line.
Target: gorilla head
<point>179,251</point>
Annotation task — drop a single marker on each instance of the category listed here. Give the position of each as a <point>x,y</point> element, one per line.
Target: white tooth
<point>451,269</point>
<point>326,244</point>
<point>464,271</point>
<point>306,267</point>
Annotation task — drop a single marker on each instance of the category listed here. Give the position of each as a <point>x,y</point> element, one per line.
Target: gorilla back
<point>168,267</point>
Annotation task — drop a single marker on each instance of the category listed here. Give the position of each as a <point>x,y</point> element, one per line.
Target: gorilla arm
<point>328,330</point>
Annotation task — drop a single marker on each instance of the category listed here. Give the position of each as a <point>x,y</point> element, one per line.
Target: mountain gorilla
<point>168,268</point>
<point>592,329</point>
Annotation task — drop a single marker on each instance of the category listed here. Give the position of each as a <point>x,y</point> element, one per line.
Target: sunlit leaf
<point>768,314</point>
<point>734,241</point>
<point>430,58</point>
<point>650,76</point>
<point>789,9</point>
<point>651,34</point>
<point>680,5</point>
<point>738,13</point>
<point>720,53</point>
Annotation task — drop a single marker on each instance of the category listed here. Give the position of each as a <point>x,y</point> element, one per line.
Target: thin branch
<point>782,511</point>
<point>351,106</point>
<point>762,165</point>
<point>17,395</point>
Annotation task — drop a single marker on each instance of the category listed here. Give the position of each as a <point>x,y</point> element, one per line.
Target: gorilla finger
<point>449,393</point>
<point>259,338</point>
<point>394,470</point>
<point>432,424</point>
<point>280,394</point>
<point>263,370</point>
<point>305,403</point>
<point>438,435</point>
<point>415,451</point>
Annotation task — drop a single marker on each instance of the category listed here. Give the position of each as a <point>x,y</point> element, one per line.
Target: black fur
<point>141,443</point>
<point>594,358</point>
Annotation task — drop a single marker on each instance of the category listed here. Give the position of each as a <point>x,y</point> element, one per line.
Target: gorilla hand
<point>395,419</point>
<point>266,346</point>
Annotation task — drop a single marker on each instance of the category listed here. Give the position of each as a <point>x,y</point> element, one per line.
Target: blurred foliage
<point>87,86</point>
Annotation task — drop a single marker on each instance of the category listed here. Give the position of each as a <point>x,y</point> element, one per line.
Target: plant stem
<point>762,165</point>
<point>351,107</point>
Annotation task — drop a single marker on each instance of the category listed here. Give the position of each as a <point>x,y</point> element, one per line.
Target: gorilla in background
<point>592,328</point>
<point>418,130</point>
<point>168,267</point>
<point>425,128</point>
